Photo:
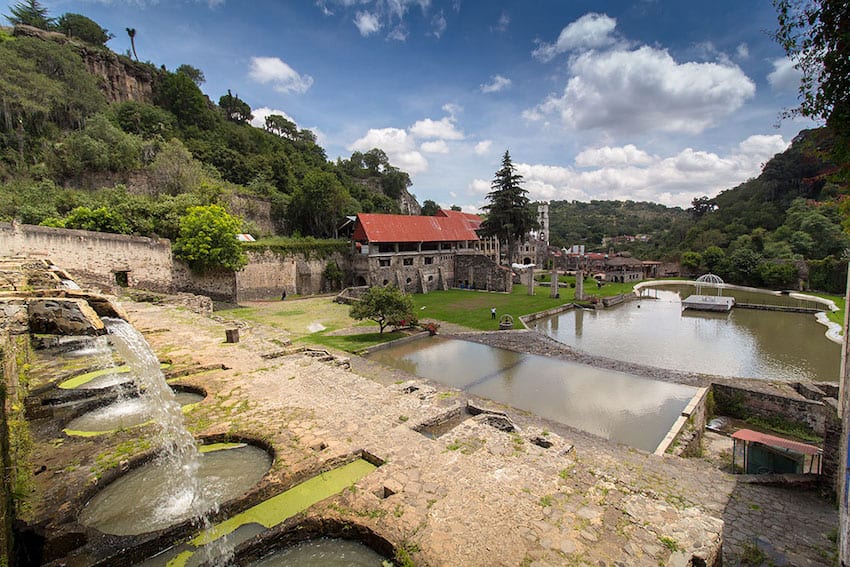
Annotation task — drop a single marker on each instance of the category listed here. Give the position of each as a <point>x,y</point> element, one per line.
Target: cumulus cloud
<point>742,51</point>
<point>443,129</point>
<point>645,89</point>
<point>784,77</point>
<point>367,23</point>
<point>284,78</point>
<point>497,83</point>
<point>452,109</point>
<point>608,156</point>
<point>478,187</point>
<point>483,147</point>
<point>261,113</point>
<point>399,146</point>
<point>590,31</point>
<point>630,173</point>
<point>435,147</point>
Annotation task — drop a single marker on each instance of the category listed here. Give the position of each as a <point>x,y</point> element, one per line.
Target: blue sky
<point>650,100</point>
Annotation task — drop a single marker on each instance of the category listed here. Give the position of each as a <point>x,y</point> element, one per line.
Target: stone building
<point>422,254</point>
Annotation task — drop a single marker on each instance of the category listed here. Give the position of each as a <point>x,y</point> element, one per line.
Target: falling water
<point>183,497</point>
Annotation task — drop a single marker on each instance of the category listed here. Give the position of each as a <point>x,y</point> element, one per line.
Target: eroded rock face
<point>63,316</point>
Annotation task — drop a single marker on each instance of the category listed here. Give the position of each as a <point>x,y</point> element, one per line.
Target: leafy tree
<point>691,260</point>
<point>86,29</point>
<point>132,33</point>
<point>100,220</point>
<point>455,208</point>
<point>30,13</point>
<point>174,170</point>
<point>193,73</point>
<point>509,217</point>
<point>700,206</point>
<point>318,206</point>
<point>234,108</point>
<point>280,125</point>
<point>777,275</point>
<point>815,36</point>
<point>207,239</point>
<point>713,258</point>
<point>178,94</point>
<point>376,160</point>
<point>429,208</point>
<point>333,274</point>
<point>394,181</point>
<point>145,120</point>
<point>100,146</point>
<point>385,306</point>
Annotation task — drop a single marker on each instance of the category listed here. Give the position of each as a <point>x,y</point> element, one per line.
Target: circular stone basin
<point>123,414</point>
<point>323,552</point>
<point>142,501</point>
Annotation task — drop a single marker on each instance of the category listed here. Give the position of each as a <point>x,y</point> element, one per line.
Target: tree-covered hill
<point>143,147</point>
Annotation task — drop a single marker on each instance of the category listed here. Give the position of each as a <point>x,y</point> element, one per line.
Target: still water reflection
<point>743,343</point>
<point>615,405</point>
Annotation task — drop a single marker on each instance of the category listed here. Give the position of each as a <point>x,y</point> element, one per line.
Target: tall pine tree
<point>509,217</point>
<point>30,13</point>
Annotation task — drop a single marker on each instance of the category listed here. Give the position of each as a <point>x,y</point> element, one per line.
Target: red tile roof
<point>773,441</point>
<point>374,227</point>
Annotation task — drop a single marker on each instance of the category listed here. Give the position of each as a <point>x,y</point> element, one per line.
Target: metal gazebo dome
<point>710,280</point>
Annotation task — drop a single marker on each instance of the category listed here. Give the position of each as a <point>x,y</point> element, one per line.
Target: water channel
<point>618,406</point>
<point>323,552</point>
<point>741,343</point>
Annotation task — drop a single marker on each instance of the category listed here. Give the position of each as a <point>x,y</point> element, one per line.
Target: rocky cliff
<point>123,78</point>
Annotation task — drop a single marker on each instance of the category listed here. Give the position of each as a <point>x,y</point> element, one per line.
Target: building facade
<point>419,254</point>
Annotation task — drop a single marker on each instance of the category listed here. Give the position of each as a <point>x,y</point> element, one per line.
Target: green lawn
<point>472,308</point>
<point>834,316</point>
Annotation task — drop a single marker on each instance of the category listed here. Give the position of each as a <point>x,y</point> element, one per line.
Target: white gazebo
<point>704,301</point>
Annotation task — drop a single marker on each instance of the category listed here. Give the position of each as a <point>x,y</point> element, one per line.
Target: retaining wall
<point>97,256</point>
<point>762,404</point>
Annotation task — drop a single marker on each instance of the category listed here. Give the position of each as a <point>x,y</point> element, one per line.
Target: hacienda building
<point>423,253</point>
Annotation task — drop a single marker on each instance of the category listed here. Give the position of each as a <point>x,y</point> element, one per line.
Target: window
<point>408,261</point>
<point>429,260</point>
<point>122,278</point>
<point>408,280</point>
<point>386,282</point>
<point>384,262</point>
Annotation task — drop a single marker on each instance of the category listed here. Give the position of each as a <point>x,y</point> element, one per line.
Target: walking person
<point>493,313</point>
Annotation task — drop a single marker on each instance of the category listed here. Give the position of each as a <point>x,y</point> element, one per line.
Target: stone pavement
<point>544,494</point>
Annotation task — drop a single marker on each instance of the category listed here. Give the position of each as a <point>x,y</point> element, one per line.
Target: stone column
<point>531,280</point>
<point>844,446</point>
<point>553,285</point>
<point>580,285</point>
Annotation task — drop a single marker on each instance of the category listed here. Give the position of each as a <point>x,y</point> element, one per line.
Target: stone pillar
<point>844,447</point>
<point>553,285</point>
<point>531,280</point>
<point>580,285</point>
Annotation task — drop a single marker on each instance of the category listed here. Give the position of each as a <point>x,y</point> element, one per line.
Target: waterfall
<point>184,496</point>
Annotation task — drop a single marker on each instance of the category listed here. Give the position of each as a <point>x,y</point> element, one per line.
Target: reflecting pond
<point>323,552</point>
<point>743,342</point>
<point>618,406</point>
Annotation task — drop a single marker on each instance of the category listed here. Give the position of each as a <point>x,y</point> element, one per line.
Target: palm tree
<point>132,33</point>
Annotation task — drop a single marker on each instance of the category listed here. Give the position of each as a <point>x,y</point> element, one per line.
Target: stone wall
<point>95,256</point>
<point>480,272</point>
<point>831,463</point>
<point>685,436</point>
<point>409,271</point>
<point>217,285</point>
<point>269,273</point>
<point>762,404</point>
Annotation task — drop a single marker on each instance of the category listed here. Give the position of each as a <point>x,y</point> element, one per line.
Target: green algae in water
<point>220,447</point>
<point>271,512</point>
<point>83,379</point>
<point>298,498</point>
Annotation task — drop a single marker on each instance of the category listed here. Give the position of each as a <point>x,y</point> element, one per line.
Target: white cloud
<point>452,109</point>
<point>261,113</point>
<point>497,83</point>
<point>398,145</point>
<point>443,129</point>
<point>478,187</point>
<point>784,77</point>
<point>645,89</point>
<point>502,24</point>
<point>742,51</point>
<point>435,147</point>
<point>483,147</point>
<point>590,31</point>
<point>438,25</point>
<point>284,78</point>
<point>608,156</point>
<point>673,180</point>
<point>367,23</point>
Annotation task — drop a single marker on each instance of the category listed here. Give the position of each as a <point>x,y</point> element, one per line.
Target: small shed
<point>765,453</point>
